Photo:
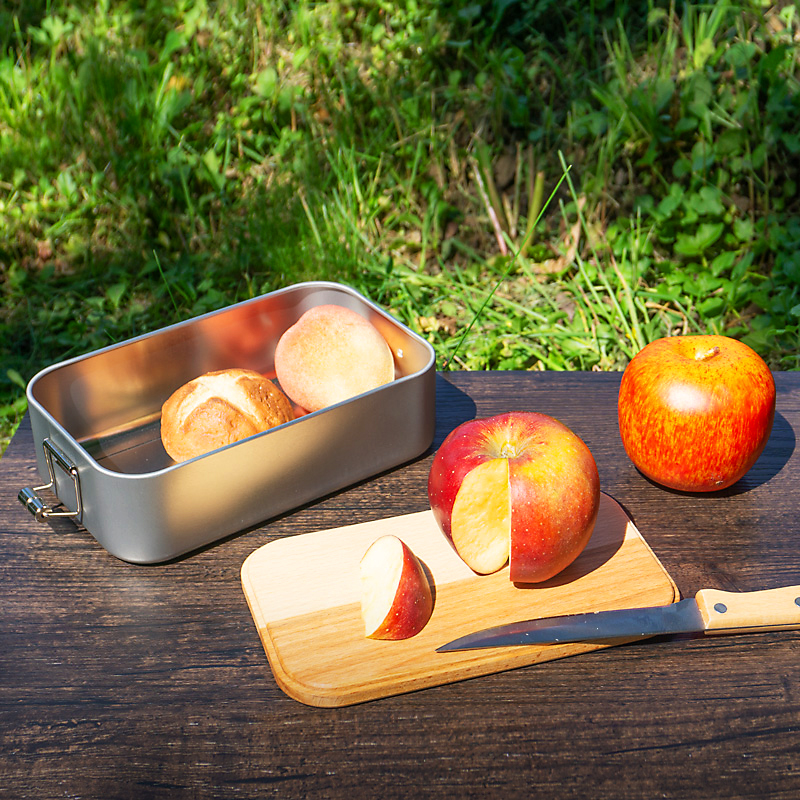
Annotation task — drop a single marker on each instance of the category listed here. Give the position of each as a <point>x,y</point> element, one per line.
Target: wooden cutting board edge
<point>398,679</point>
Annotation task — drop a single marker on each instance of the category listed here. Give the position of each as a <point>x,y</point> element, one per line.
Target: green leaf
<point>697,243</point>
<point>740,270</point>
<point>790,267</point>
<point>730,142</point>
<point>114,294</point>
<point>707,283</point>
<point>791,141</point>
<point>55,28</point>
<point>300,56</point>
<point>15,409</point>
<point>664,90</point>
<point>667,207</point>
<point>740,54</point>
<point>711,306</point>
<point>681,168</point>
<point>174,41</point>
<point>701,89</point>
<point>470,12</point>
<point>770,64</point>
<point>16,378</point>
<point>656,15</point>
<point>67,186</point>
<point>707,201</point>
<point>212,164</point>
<point>743,229</point>
<point>702,53</point>
<point>286,98</point>
<point>723,262</point>
<point>686,124</point>
<point>266,83</point>
<point>702,156</point>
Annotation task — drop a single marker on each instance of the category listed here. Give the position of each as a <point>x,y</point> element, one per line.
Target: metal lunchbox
<point>96,428</point>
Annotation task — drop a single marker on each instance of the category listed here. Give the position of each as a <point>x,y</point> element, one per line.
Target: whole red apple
<point>696,411</point>
<point>520,488</point>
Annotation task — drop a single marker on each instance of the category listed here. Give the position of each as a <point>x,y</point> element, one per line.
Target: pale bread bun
<point>219,408</point>
<point>329,355</point>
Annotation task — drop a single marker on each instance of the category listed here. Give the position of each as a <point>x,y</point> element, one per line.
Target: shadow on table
<point>453,406</point>
<point>778,451</point>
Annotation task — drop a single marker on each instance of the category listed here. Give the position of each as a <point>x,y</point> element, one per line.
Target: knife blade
<point>711,611</point>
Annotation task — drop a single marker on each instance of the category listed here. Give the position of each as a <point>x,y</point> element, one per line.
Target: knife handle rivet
<point>797,601</point>
<point>721,608</point>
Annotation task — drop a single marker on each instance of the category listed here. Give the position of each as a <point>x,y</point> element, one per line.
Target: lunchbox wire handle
<point>29,497</point>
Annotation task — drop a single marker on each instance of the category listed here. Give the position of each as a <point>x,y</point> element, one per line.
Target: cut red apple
<point>518,488</point>
<point>396,597</point>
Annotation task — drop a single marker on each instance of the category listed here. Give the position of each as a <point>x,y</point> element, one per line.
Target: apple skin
<point>396,597</point>
<point>695,412</point>
<point>553,492</point>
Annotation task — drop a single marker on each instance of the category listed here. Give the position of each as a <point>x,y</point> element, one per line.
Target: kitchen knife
<point>711,611</point>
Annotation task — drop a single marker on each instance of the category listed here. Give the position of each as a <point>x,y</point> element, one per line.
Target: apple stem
<point>706,355</point>
<point>508,450</point>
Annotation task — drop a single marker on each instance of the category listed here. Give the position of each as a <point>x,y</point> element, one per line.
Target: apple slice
<point>481,517</point>
<point>396,598</point>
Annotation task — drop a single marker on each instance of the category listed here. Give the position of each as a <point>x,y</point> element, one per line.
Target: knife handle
<point>767,610</point>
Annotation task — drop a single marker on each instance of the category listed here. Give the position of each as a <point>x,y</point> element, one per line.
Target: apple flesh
<point>396,598</point>
<point>330,355</point>
<point>518,488</point>
<point>695,412</point>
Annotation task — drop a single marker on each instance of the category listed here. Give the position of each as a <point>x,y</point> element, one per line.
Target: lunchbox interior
<point>110,401</point>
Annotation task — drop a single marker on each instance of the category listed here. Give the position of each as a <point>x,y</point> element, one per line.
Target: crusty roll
<point>219,408</point>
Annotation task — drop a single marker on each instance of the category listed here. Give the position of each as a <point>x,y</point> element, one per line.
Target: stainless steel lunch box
<point>96,428</point>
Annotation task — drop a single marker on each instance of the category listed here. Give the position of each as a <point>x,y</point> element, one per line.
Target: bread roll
<point>329,355</point>
<point>219,408</point>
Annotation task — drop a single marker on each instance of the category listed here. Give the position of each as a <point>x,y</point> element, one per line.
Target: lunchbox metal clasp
<point>29,497</point>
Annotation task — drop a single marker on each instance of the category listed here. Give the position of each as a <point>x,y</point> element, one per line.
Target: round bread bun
<point>219,408</point>
<point>329,355</point>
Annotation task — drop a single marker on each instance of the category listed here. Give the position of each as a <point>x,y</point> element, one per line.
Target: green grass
<point>529,185</point>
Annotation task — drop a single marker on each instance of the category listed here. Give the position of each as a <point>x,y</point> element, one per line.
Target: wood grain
<point>122,681</point>
<point>767,610</point>
<point>303,594</point>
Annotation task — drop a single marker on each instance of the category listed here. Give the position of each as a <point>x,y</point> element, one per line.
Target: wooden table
<point>124,681</point>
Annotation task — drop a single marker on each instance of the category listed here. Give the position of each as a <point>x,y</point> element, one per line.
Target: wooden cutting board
<point>304,595</point>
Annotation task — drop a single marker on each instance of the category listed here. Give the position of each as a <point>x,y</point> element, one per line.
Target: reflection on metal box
<point>96,427</point>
